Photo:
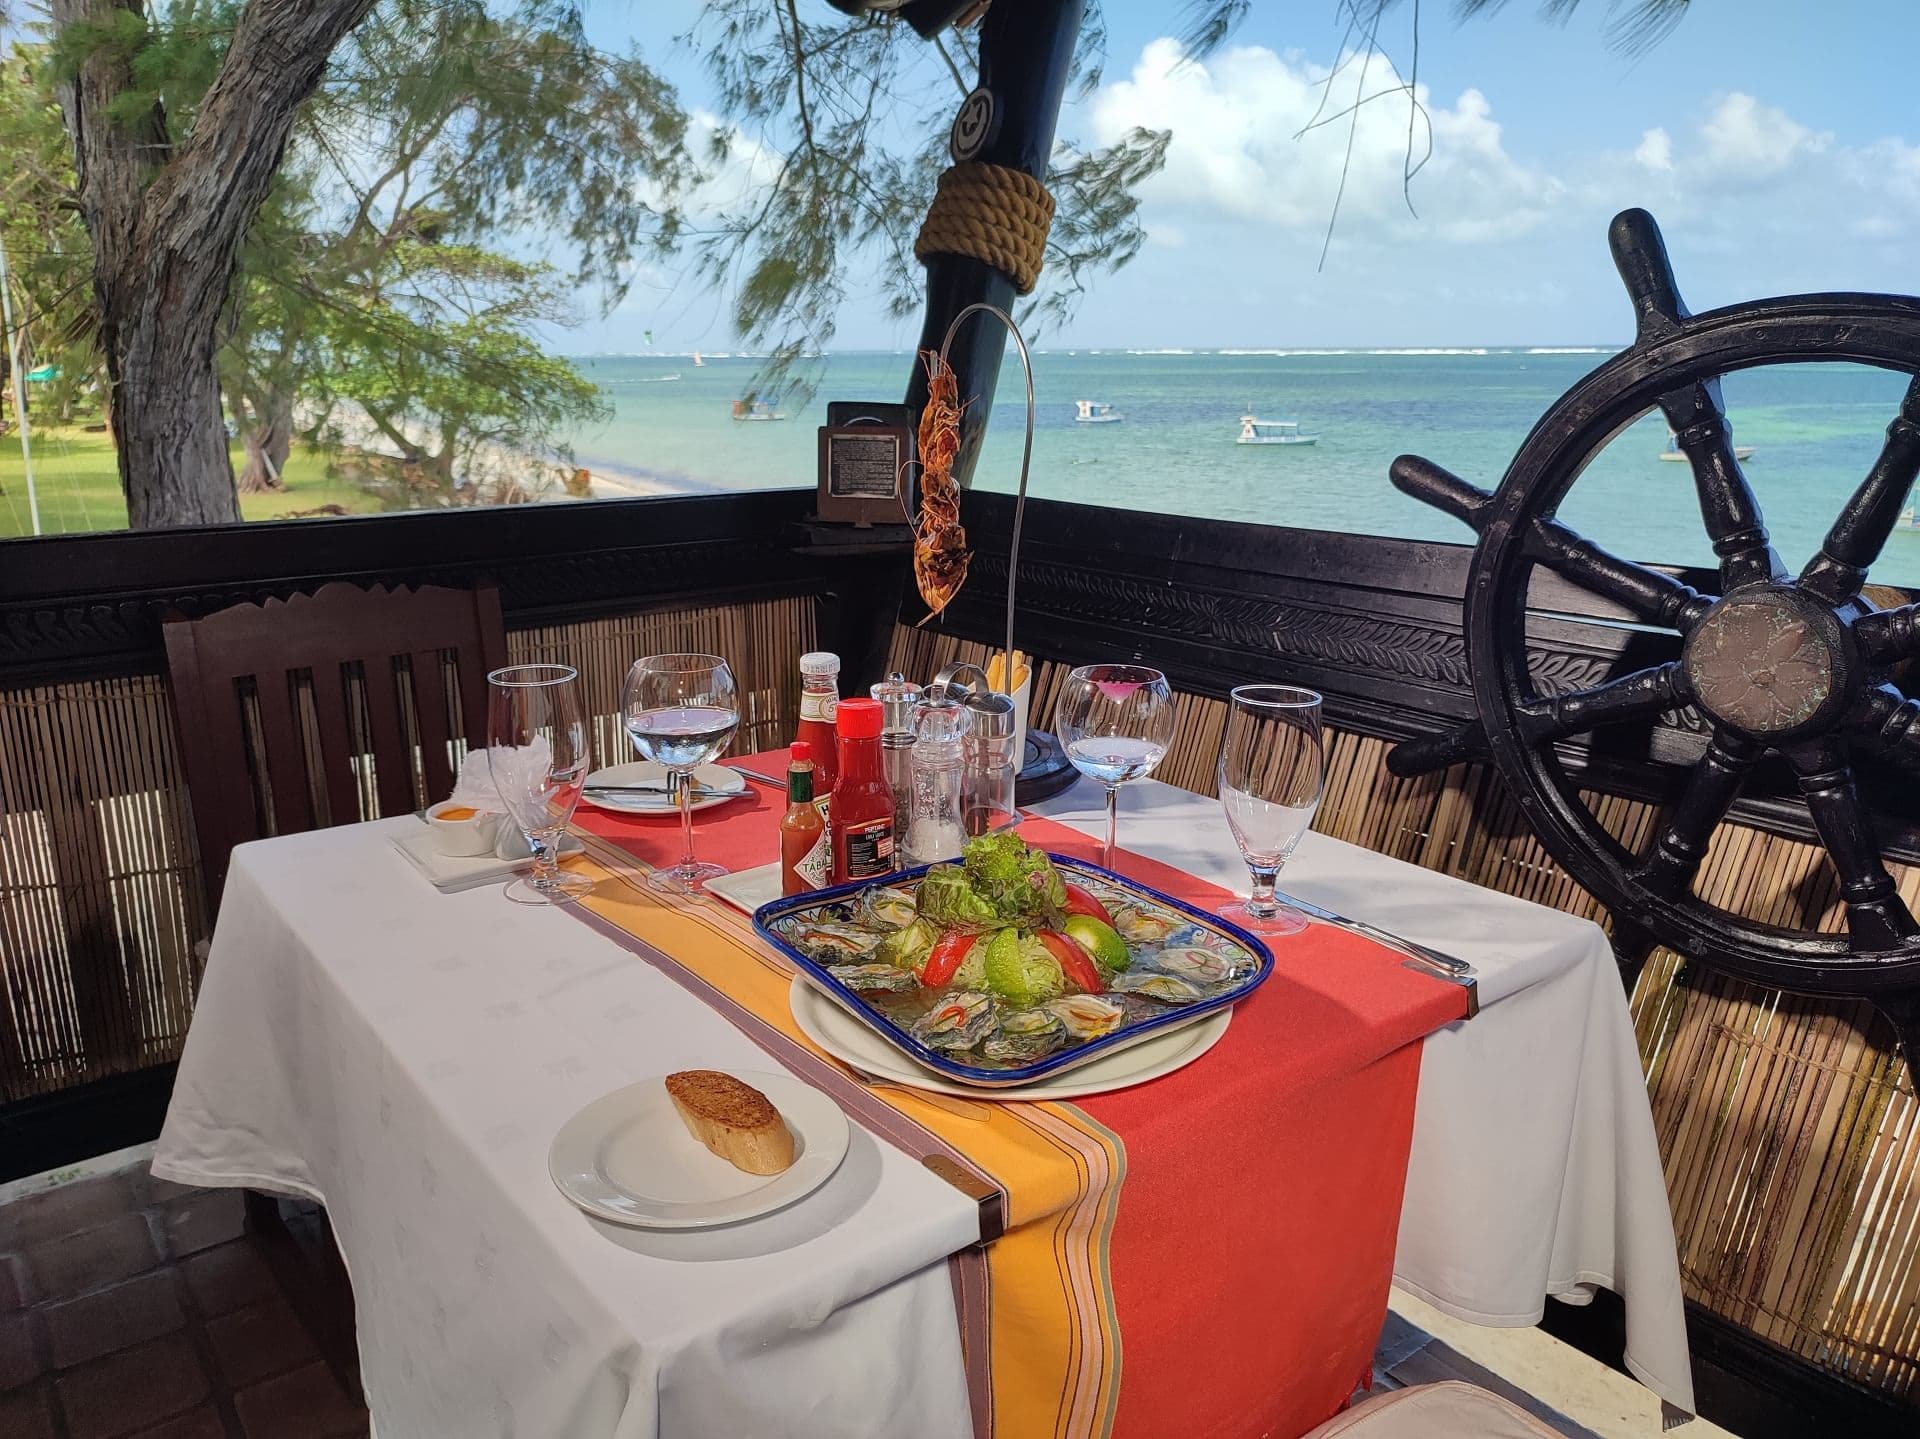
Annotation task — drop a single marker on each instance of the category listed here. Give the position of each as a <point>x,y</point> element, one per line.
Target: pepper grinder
<point>899,698</point>
<point>992,765</point>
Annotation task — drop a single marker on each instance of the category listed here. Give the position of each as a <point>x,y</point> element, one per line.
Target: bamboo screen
<point>1789,1127</point>
<point>101,908</point>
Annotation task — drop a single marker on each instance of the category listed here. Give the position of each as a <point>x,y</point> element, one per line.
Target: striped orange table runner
<point>1233,1222</point>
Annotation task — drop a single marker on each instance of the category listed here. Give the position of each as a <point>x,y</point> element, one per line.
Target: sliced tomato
<point>1082,973</point>
<point>945,959</point>
<point>1080,901</point>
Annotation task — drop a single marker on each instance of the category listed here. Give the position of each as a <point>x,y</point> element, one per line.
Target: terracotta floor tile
<point>228,1276</point>
<point>119,1317</point>
<point>20,1361</point>
<point>306,1404</point>
<point>24,1414</point>
<point>92,1258</point>
<point>258,1342</point>
<point>134,1389</point>
<point>203,1219</point>
<point>56,1213</point>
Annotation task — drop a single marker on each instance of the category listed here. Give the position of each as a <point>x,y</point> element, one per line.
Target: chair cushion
<point>1452,1410</point>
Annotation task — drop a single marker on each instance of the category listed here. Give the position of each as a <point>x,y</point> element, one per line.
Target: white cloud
<point>1746,141</point>
<point>1234,153</point>
<point>1655,151</point>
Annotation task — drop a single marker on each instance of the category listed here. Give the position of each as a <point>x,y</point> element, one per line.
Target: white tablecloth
<point>406,1058</point>
<point>1535,1170</point>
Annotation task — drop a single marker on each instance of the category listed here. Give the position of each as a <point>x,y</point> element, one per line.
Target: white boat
<point>1272,432</point>
<point>1095,412</point>
<point>1674,455</point>
<point>698,363</point>
<point>759,411</point>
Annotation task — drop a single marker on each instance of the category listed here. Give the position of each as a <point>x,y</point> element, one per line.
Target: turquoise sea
<point>1815,428</point>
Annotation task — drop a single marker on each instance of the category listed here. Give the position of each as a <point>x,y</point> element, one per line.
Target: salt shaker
<point>936,824</point>
<point>991,763</point>
<point>898,698</point>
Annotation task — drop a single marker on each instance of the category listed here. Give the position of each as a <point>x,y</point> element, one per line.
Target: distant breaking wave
<point>1570,350</point>
<point>1159,352</point>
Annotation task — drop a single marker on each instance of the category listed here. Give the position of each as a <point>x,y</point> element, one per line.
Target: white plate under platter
<point>629,1159</point>
<point>649,772</point>
<point>852,1042</point>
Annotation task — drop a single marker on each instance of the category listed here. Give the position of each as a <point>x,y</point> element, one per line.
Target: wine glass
<point>680,711</point>
<point>1115,721</point>
<point>537,754</point>
<point>1273,769</point>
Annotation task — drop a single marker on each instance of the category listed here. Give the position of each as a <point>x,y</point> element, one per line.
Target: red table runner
<point>1243,1270</point>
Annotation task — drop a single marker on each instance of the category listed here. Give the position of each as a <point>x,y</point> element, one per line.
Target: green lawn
<point>79,486</point>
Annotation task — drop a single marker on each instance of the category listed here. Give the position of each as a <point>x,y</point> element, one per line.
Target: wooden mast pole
<point>1026,52</point>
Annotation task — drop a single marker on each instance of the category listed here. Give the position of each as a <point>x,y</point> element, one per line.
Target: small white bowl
<point>462,838</point>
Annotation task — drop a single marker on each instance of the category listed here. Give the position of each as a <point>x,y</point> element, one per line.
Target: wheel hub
<point>1771,663</point>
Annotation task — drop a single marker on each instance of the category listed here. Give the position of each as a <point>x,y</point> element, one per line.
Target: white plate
<point>646,771</point>
<point>628,1158</point>
<point>450,873</point>
<point>851,1041</point>
<point>747,889</point>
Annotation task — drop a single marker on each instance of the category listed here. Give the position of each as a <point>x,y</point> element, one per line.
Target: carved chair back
<point>322,709</point>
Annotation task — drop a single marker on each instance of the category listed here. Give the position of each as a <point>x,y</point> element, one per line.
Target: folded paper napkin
<point>483,774</point>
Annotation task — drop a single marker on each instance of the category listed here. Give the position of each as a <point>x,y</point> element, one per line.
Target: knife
<point>1442,965</point>
<point>704,791</point>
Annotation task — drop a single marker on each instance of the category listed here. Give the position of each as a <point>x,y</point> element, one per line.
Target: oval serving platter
<point>774,921</point>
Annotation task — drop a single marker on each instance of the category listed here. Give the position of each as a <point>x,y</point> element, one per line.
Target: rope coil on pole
<point>994,214</point>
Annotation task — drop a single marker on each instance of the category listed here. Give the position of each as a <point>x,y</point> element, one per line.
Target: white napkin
<point>478,787</point>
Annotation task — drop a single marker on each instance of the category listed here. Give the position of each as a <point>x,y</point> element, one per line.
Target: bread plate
<point>629,1159</point>
<point>1168,941</point>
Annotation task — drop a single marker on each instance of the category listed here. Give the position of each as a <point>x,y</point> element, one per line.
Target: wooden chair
<point>280,704</point>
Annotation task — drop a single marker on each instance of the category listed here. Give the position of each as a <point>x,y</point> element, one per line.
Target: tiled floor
<point>133,1307</point>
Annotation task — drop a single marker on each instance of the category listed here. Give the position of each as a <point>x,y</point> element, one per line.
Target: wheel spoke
<point>1650,596</point>
<point>1890,725</point>
<point>1877,918</point>
<point>1888,635</point>
<point>1669,869</point>
<point>1860,533</point>
<point>1727,503</point>
<point>1644,694</point>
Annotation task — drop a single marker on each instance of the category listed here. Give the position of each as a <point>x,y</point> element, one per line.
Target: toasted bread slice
<point>733,1119</point>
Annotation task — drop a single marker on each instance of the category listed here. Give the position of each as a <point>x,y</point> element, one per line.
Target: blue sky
<point>1774,139</point>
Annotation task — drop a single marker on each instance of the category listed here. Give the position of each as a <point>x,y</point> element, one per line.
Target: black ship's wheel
<point>1793,666</point>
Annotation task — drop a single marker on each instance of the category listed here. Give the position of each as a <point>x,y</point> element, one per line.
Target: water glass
<point>538,757</point>
<point>1273,769</point>
<point>681,711</point>
<point>1115,722</point>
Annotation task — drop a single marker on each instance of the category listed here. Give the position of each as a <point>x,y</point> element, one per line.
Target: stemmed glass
<point>537,754</point>
<point>680,711</point>
<point>1273,769</point>
<point>1115,721</point>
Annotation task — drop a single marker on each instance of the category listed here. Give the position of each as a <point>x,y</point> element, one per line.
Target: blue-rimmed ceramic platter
<point>1181,963</point>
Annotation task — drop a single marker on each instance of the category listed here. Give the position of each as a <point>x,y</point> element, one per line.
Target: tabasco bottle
<point>861,826</point>
<point>806,856</point>
<point>819,693</point>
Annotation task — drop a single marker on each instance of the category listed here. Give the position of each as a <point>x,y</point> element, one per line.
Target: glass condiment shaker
<point>936,822</point>
<point>898,697</point>
<point>992,765</point>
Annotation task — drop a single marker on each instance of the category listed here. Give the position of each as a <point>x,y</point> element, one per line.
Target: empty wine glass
<point>1115,722</point>
<point>680,711</point>
<point>537,754</point>
<point>1273,768</point>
